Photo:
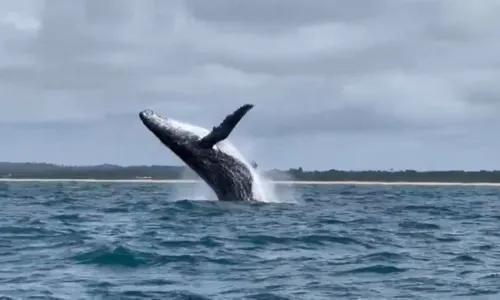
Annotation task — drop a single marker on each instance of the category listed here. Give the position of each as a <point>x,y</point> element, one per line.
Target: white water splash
<point>198,191</point>
<point>262,189</point>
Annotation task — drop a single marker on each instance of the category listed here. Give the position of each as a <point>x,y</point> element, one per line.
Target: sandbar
<point>288,182</point>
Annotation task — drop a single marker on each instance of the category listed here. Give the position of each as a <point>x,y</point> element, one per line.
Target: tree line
<point>53,171</point>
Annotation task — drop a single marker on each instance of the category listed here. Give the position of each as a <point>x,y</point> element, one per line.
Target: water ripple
<point>133,241</point>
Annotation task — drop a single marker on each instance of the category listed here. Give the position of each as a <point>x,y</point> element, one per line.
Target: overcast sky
<point>358,84</point>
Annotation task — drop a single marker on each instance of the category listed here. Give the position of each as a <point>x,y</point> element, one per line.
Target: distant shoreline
<point>173,181</point>
<point>36,171</point>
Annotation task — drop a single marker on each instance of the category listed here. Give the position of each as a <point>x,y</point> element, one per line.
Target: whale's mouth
<point>153,121</point>
<point>146,113</point>
<point>149,114</point>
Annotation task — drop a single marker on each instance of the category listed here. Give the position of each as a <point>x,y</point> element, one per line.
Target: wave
<point>122,256</point>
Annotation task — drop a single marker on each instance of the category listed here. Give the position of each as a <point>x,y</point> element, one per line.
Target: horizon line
<point>270,169</point>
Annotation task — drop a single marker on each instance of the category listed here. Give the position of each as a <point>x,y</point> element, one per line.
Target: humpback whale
<point>227,174</point>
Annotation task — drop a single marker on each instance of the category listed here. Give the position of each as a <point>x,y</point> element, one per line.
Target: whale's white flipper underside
<point>221,132</point>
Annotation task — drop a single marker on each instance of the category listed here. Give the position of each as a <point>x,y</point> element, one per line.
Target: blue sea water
<point>135,241</point>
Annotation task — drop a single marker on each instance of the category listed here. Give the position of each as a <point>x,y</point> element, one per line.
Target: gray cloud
<point>287,16</point>
<point>344,84</point>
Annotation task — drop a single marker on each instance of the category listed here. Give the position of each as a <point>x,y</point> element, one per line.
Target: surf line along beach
<point>289,182</point>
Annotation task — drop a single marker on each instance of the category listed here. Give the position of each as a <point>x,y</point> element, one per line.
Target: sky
<point>352,85</point>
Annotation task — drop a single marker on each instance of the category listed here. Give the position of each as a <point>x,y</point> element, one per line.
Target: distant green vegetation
<point>52,171</point>
<point>393,176</point>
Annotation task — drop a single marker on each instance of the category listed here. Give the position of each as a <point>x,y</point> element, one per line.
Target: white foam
<point>262,190</point>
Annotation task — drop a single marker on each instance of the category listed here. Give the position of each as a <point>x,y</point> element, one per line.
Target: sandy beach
<point>172,181</point>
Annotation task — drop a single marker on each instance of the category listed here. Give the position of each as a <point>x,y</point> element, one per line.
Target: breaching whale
<point>227,175</point>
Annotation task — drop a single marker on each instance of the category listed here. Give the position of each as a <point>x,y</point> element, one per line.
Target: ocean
<point>70,240</point>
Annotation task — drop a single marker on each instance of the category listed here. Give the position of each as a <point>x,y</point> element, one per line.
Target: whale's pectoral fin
<point>221,132</point>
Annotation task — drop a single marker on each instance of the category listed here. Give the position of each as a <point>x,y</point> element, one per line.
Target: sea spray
<point>288,192</point>
<point>197,190</point>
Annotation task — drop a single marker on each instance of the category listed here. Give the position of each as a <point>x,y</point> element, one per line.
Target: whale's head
<point>173,134</point>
